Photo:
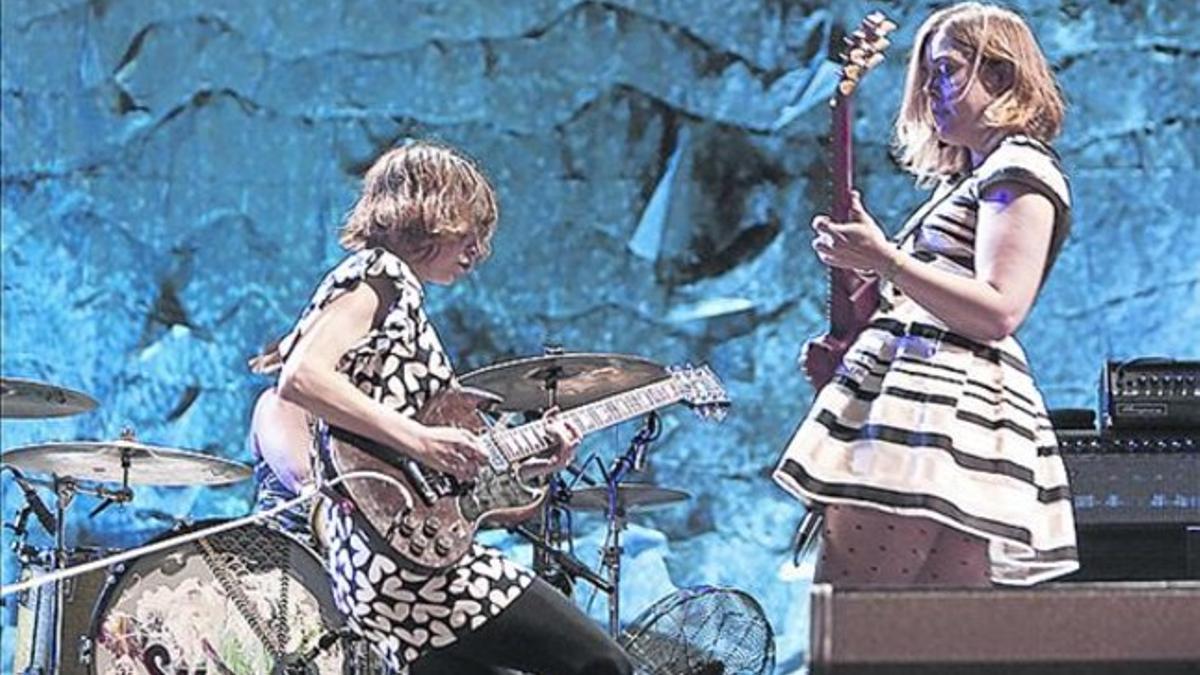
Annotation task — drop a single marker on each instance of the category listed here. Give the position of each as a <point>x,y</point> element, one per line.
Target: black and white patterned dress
<point>921,421</point>
<point>400,363</point>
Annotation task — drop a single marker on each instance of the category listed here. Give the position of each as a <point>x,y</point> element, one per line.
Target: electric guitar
<point>852,298</point>
<point>430,518</point>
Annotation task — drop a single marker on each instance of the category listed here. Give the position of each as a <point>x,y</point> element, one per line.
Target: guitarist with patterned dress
<point>930,450</point>
<point>365,360</point>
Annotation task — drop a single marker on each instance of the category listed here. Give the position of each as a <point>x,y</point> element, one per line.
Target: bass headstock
<point>864,50</point>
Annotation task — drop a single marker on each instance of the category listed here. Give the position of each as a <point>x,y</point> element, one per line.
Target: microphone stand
<point>633,459</point>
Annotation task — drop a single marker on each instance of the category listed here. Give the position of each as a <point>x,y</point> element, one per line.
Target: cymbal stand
<point>632,459</point>
<point>551,511</point>
<point>119,496</point>
<point>65,490</point>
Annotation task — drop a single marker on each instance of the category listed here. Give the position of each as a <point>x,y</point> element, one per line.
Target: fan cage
<point>702,630</point>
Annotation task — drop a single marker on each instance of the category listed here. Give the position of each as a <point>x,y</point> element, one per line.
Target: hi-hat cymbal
<point>578,379</point>
<point>630,497</point>
<point>106,461</point>
<point>24,399</point>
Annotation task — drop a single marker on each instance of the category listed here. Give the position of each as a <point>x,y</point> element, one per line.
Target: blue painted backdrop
<point>174,173</point>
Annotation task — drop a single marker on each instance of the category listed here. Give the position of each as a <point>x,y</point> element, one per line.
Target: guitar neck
<point>842,283</point>
<point>527,440</point>
<point>842,157</point>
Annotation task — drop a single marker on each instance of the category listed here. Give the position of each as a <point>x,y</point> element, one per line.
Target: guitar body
<point>853,300</point>
<point>429,518</point>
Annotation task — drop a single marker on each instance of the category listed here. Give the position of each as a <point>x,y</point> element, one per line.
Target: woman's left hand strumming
<point>564,437</point>
<point>856,244</point>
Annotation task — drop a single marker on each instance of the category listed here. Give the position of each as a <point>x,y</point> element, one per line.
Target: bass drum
<point>250,600</point>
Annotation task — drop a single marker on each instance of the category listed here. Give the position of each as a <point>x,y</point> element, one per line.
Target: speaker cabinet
<point>1133,628</point>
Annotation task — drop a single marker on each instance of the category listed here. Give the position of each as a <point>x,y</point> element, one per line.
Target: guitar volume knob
<point>431,527</point>
<point>408,525</point>
<point>417,546</point>
<point>441,545</point>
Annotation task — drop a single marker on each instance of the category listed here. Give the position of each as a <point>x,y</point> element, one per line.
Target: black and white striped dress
<point>921,421</point>
<point>402,364</point>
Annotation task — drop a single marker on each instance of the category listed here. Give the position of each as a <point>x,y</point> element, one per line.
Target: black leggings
<point>542,632</point>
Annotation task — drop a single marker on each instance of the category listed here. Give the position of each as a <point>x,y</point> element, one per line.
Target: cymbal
<point>148,464</point>
<point>630,497</point>
<point>24,399</point>
<point>579,378</point>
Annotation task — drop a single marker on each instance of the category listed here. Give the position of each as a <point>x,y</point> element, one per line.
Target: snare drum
<point>239,601</point>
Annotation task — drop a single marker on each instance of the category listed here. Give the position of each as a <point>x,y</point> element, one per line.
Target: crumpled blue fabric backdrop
<point>174,172</point>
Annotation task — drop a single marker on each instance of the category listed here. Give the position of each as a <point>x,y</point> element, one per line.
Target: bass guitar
<point>852,297</point>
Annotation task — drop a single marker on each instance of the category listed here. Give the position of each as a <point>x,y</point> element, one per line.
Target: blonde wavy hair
<point>418,195</point>
<point>990,37</point>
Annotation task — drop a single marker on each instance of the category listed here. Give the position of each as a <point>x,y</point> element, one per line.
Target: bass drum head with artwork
<point>246,600</point>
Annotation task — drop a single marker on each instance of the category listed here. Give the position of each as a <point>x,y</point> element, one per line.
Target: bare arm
<point>311,380</point>
<point>1012,242</point>
<point>280,434</point>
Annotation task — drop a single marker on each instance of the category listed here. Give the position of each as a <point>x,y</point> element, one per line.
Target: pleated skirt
<point>921,421</point>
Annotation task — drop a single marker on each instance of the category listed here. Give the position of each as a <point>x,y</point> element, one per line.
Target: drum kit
<point>253,598</point>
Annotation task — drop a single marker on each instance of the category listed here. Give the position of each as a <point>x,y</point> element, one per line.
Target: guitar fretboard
<point>527,440</point>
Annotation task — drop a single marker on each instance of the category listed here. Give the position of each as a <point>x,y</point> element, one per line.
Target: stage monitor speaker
<point>1134,628</point>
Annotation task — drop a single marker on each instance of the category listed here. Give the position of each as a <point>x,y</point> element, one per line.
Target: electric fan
<point>703,630</point>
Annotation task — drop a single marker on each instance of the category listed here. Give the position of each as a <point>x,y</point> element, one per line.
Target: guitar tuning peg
<point>846,88</point>
<point>874,60</point>
<point>853,72</point>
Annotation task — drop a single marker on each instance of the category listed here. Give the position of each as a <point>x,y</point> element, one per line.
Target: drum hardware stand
<point>121,495</point>
<point>633,459</point>
<point>49,651</point>
<point>551,511</point>
<point>570,566</point>
<point>808,534</point>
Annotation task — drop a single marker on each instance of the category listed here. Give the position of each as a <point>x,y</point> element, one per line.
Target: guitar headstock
<point>700,388</point>
<point>864,50</point>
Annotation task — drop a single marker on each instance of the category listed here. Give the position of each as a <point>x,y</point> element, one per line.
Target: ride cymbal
<point>108,461</point>
<point>28,399</point>
<point>577,379</point>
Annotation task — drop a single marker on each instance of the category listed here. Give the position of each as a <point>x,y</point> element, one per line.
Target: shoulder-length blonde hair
<point>990,37</point>
<point>419,195</point>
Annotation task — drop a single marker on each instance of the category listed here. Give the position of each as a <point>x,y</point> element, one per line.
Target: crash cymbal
<point>25,399</point>
<point>630,497</point>
<point>106,460</point>
<point>579,379</point>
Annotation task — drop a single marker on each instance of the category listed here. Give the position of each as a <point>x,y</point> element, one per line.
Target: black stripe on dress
<point>995,425</point>
<point>923,439</point>
<point>993,354</point>
<point>955,222</point>
<point>1000,401</point>
<point>928,364</point>
<point>1000,391</point>
<point>960,238</point>
<point>929,376</point>
<point>938,399</point>
<point>940,505</point>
